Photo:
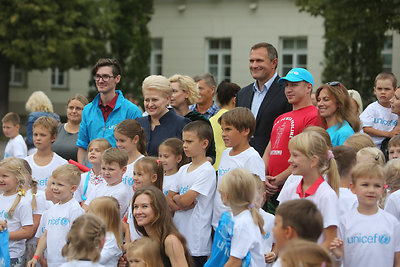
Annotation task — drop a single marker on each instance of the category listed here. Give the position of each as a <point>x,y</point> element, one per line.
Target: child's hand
<point>270,257</point>
<point>31,263</point>
<point>3,225</point>
<point>123,262</point>
<point>337,247</point>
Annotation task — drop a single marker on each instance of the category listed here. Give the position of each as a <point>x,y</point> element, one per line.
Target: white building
<point>196,36</point>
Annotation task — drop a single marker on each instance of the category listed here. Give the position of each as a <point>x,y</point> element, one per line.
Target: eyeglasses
<point>335,83</point>
<point>105,77</point>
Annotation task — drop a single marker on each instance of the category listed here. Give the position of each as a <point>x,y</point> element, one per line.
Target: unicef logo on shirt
<point>384,239</point>
<point>267,235</point>
<point>59,221</point>
<point>3,214</point>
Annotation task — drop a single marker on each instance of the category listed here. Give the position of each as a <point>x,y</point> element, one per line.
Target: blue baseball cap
<point>298,75</point>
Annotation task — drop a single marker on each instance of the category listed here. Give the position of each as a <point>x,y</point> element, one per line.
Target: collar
<point>311,190</point>
<point>266,86</point>
<point>112,103</point>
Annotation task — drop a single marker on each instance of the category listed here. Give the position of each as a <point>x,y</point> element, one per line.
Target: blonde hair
<point>38,101</point>
<point>305,254</point>
<point>322,132</point>
<point>373,153</point>
<point>102,142</point>
<point>80,98</point>
<point>187,84</point>
<point>107,208</point>
<point>67,172</point>
<point>114,154</point>
<point>260,189</point>
<point>158,83</point>
<point>14,166</point>
<point>48,123</point>
<point>240,186</point>
<point>366,170</point>
<point>358,141</point>
<point>27,171</point>
<point>313,144</point>
<point>357,98</point>
<point>11,117</point>
<point>152,166</point>
<point>84,238</point>
<point>392,174</point>
<point>147,250</point>
<point>394,141</point>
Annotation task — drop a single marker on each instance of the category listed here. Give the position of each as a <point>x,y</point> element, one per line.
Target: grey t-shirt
<point>65,144</point>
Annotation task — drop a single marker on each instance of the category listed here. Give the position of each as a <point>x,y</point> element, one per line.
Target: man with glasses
<point>108,108</point>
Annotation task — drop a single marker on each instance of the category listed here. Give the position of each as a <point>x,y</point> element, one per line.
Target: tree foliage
<point>354,38</point>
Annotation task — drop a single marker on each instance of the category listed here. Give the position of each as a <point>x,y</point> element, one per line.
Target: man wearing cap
<point>298,87</point>
<point>265,97</point>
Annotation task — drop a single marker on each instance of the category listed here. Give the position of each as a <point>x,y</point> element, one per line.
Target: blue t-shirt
<point>339,134</point>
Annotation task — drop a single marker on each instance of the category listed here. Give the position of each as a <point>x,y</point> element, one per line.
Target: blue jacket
<point>93,126</point>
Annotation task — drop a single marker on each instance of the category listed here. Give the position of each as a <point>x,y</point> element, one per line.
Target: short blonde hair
<point>102,142</point>
<point>366,170</point>
<point>147,250</point>
<point>358,141</point>
<point>394,141</point>
<point>69,173</point>
<point>392,174</point>
<point>114,154</point>
<point>48,123</point>
<point>375,154</point>
<point>158,83</point>
<point>12,118</point>
<point>306,254</point>
<point>187,84</point>
<point>39,101</point>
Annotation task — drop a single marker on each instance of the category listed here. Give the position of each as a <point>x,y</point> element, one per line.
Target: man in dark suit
<point>265,97</point>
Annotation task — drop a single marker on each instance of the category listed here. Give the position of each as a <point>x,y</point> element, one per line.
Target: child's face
<point>395,102</point>
<point>125,143</point>
<point>142,177</point>
<point>143,211</point>
<point>232,137</point>
<point>42,138</point>
<point>10,130</point>
<point>192,145</point>
<point>384,91</point>
<point>94,153</point>
<point>8,182</point>
<point>394,152</point>
<point>368,190</point>
<point>112,172</point>
<point>135,260</point>
<point>168,159</point>
<point>299,162</point>
<point>62,189</point>
<point>279,232</point>
<point>49,192</point>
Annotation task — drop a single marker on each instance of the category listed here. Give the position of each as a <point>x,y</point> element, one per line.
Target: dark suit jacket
<point>273,105</point>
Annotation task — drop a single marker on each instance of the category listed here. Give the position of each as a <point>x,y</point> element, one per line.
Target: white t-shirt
<point>22,217</point>
<point>110,253</point>
<point>195,224</point>
<point>247,237</point>
<point>127,178</point>
<point>94,180</point>
<point>59,220</point>
<point>347,200</point>
<point>380,118</point>
<point>81,263</point>
<point>249,159</point>
<point>43,173</point>
<point>369,240</point>
<point>268,238</point>
<point>169,181</point>
<point>133,233</point>
<point>121,192</point>
<point>324,198</point>
<point>16,147</point>
<point>393,204</point>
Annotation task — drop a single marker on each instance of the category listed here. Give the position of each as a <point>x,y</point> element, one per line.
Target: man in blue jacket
<point>108,108</point>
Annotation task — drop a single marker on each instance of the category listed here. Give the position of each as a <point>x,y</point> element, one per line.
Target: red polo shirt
<point>106,110</point>
<point>310,191</point>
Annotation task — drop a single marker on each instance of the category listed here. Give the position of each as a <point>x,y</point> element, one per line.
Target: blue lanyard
<point>86,186</point>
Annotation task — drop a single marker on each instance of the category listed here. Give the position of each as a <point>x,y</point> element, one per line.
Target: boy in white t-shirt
<point>377,119</point>
<point>113,167</point>
<point>91,179</point>
<point>193,192</point>
<point>368,236</point>
<point>238,126</point>
<point>16,146</point>
<point>44,161</point>
<point>59,218</point>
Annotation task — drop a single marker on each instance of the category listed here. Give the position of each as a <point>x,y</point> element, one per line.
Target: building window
<point>387,53</point>
<point>17,76</point>
<point>58,78</point>
<point>293,54</point>
<point>156,57</point>
<point>219,59</point>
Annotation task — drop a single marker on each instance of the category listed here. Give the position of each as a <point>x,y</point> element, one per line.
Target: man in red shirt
<point>298,88</point>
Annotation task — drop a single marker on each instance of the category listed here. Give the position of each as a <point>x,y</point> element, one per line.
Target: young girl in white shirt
<point>238,190</point>
<point>311,158</point>
<point>107,208</point>
<point>85,240</point>
<point>172,157</point>
<point>15,210</point>
<point>130,136</point>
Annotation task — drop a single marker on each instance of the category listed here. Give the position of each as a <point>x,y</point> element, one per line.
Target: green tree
<point>354,38</point>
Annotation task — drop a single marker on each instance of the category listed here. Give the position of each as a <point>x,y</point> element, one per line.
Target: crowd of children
<point>339,206</point>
